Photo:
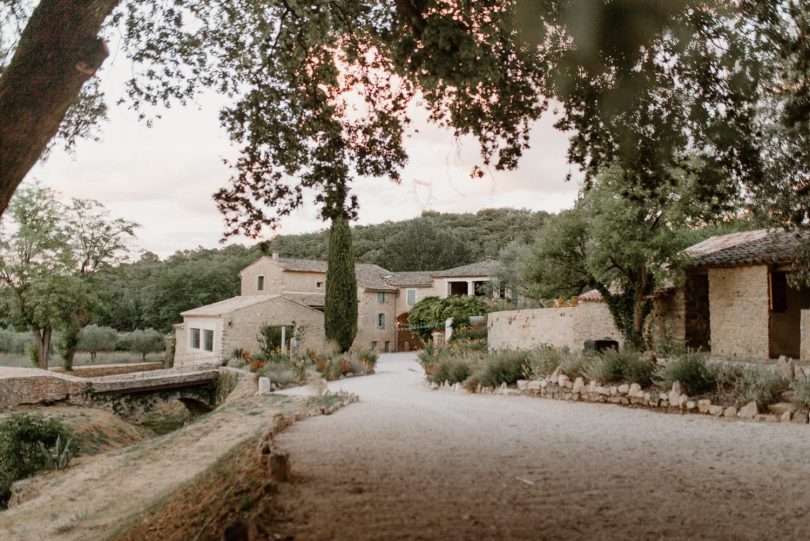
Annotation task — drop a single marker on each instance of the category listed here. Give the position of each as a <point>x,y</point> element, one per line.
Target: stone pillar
<point>470,288</point>
<point>283,339</point>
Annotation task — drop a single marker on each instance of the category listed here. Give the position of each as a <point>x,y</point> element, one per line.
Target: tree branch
<point>58,52</point>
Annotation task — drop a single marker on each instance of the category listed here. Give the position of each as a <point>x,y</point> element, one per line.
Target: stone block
<point>579,385</point>
<point>704,405</point>
<point>730,411</point>
<point>623,389</point>
<point>781,408</point>
<point>534,385</point>
<point>800,418</point>
<point>522,384</point>
<point>785,418</point>
<point>717,411</point>
<point>264,385</point>
<point>691,404</point>
<point>749,411</point>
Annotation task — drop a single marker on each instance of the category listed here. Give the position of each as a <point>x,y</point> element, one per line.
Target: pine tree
<point>340,309</point>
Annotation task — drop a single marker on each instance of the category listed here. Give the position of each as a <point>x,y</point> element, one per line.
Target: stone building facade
<point>736,300</point>
<point>290,293</point>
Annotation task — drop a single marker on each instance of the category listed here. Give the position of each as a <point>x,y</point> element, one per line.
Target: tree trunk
<point>58,51</point>
<point>42,339</point>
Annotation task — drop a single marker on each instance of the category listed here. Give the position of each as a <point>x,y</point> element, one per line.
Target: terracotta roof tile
<point>758,247</point>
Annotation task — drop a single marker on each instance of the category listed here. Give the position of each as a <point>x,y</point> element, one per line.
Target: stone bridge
<point>125,394</point>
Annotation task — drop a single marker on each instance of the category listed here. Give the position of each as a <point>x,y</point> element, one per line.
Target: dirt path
<point>410,463</point>
<point>97,497</point>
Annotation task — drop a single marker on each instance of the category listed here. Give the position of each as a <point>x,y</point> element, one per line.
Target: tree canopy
<point>320,92</point>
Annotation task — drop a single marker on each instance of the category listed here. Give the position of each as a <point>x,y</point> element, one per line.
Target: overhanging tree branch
<point>44,78</point>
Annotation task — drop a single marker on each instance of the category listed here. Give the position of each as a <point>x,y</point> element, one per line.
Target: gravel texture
<point>410,463</point>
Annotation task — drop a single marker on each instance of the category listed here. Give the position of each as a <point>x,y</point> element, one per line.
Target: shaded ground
<point>99,497</point>
<point>410,463</point>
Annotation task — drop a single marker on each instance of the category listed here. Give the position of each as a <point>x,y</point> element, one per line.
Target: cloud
<point>164,177</point>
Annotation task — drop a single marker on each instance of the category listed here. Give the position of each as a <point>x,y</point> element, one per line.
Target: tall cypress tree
<point>340,308</point>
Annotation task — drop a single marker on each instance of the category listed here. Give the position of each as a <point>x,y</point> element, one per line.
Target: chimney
<point>275,256</point>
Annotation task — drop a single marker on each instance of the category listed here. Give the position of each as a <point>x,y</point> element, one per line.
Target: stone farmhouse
<point>289,293</point>
<point>735,302</point>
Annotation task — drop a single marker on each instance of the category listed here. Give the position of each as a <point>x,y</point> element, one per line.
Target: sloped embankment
<point>94,499</point>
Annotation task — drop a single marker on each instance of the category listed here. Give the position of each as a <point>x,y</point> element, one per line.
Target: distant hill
<point>152,292</point>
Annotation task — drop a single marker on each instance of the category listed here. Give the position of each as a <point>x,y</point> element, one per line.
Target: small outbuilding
<point>737,299</point>
<point>209,334</point>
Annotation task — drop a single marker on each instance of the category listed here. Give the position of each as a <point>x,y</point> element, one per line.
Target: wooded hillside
<point>152,292</point>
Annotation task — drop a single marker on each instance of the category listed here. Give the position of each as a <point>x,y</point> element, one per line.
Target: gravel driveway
<point>409,463</point>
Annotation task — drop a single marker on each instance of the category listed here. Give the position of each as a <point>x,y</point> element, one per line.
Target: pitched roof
<point>233,304</point>
<point>313,300</point>
<point>368,276</point>
<point>410,278</point>
<point>227,306</point>
<point>591,296</point>
<point>758,247</point>
<point>302,265</point>
<point>482,268</point>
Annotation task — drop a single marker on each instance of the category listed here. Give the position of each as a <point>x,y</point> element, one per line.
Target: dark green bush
<point>625,366</point>
<point>691,370</point>
<point>22,438</point>
<point>502,367</point>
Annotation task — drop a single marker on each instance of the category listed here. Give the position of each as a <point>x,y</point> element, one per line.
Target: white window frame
<point>205,333</point>
<point>191,335</point>
<point>381,297</point>
<point>408,293</point>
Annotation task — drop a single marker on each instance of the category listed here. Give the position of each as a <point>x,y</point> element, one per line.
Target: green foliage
<point>450,370</point>
<point>542,361</point>
<point>15,342</point>
<point>432,312</point>
<point>501,367</point>
<point>618,242</point>
<point>152,293</point>
<point>802,396</point>
<point>57,457</point>
<point>760,384</point>
<point>145,342</point>
<point>25,441</point>
<point>625,366</point>
<point>691,370</point>
<point>340,305</point>
<point>422,246</point>
<point>94,339</point>
<point>48,261</point>
<point>269,338</point>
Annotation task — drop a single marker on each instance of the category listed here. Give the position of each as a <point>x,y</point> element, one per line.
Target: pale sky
<point>164,177</point>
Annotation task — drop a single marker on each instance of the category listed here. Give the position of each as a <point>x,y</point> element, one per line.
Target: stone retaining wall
<point>559,387</point>
<point>560,327</point>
